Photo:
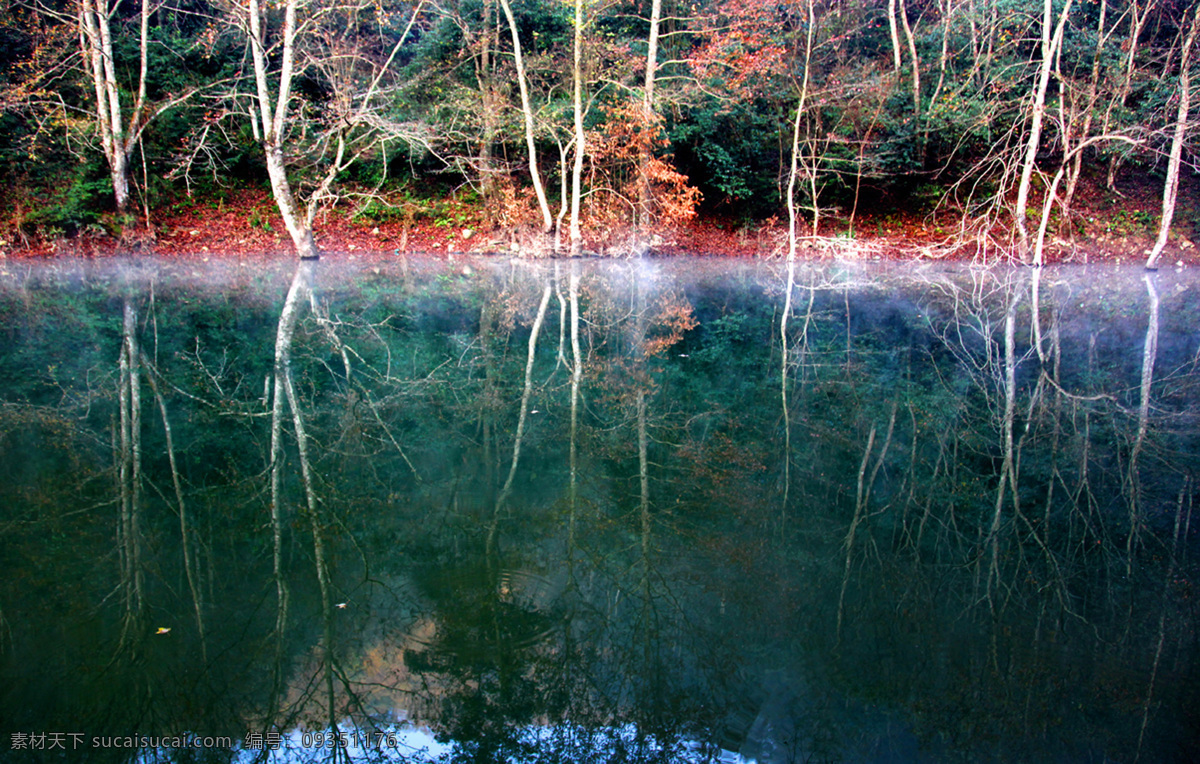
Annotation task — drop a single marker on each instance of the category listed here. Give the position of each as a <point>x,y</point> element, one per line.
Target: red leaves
<point>747,44</point>
<point>625,147</point>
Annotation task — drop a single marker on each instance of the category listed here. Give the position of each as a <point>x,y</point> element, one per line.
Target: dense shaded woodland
<point>602,125</point>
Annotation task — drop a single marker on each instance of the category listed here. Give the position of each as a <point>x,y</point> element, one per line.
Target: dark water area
<point>637,511</point>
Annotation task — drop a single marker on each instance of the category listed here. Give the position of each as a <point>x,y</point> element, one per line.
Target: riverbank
<point>244,225</point>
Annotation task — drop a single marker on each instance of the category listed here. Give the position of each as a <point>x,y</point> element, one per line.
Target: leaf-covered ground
<point>244,224</point>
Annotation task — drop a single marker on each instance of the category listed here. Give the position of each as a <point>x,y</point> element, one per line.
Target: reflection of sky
<point>413,744</point>
<point>398,742</point>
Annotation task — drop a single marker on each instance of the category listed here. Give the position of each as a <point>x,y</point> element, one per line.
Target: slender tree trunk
<point>797,125</point>
<point>918,129</point>
<point>1039,244</point>
<point>274,117</point>
<point>894,30</point>
<point>527,112</point>
<point>117,139</point>
<point>490,100</point>
<point>1051,39</point>
<point>1171,185</point>
<point>1089,108</point>
<point>1137,23</point>
<point>650,123</point>
<point>564,191</point>
<point>580,136</point>
<point>945,10</point>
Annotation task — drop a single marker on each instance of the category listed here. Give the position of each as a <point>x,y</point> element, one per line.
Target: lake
<point>675,510</point>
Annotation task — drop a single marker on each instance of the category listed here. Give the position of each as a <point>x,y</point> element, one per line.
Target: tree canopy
<point>116,109</point>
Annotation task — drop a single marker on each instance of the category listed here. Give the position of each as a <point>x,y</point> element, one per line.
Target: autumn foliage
<point>628,144</point>
<point>908,107</point>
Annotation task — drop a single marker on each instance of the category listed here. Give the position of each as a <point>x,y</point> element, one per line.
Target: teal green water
<point>598,511</point>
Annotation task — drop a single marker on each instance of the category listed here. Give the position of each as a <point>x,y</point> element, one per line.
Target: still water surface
<point>606,511</point>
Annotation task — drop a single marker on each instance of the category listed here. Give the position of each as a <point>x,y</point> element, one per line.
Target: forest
<point>602,125</point>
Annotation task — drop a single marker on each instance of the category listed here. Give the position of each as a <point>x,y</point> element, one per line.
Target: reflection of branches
<point>1132,481</point>
<point>861,504</point>
<point>1172,562</point>
<point>129,471</point>
<point>576,378</point>
<point>185,531</point>
<point>1008,470</point>
<point>783,384</point>
<point>528,390</point>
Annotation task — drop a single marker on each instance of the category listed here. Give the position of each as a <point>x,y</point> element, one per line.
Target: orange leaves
<point>625,148</point>
<point>510,207</point>
<point>624,134</point>
<point>674,201</point>
<point>674,317</point>
<point>748,43</point>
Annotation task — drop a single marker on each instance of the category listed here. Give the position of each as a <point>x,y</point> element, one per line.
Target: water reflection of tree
<point>101,616</point>
<point>558,665</point>
<point>639,591</point>
<point>1015,475</point>
<point>970,548</point>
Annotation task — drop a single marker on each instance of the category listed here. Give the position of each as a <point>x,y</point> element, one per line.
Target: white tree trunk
<point>1050,42</point>
<point>116,139</point>
<point>1171,185</point>
<point>274,118</point>
<point>793,213</point>
<point>580,137</point>
<point>646,150</point>
<point>894,30</point>
<point>915,82</point>
<point>527,111</point>
<point>1089,106</point>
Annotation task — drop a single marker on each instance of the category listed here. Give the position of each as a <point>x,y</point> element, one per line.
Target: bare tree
<point>355,109</point>
<point>1139,14</point>
<point>527,113</point>
<point>1133,483</point>
<point>1052,37</point>
<point>273,111</point>
<point>797,128</point>
<point>1171,184</point>
<point>120,110</point>
<point>580,135</point>
<point>645,190</point>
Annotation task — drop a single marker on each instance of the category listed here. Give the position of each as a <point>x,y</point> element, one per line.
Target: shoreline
<point>246,228</point>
